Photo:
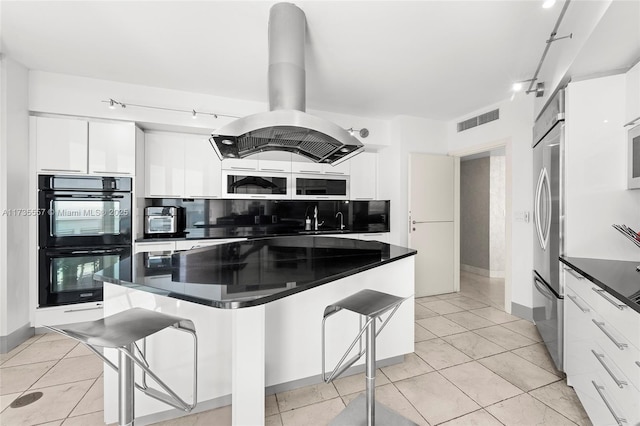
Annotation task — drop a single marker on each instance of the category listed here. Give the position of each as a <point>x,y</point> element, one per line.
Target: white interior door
<point>434,222</point>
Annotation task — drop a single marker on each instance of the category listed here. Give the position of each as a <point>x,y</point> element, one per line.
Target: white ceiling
<point>435,59</point>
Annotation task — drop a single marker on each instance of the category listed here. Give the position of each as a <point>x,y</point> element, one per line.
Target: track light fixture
<point>363,133</point>
<point>113,103</point>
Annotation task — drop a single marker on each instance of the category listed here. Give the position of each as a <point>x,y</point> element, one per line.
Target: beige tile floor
<point>473,365</point>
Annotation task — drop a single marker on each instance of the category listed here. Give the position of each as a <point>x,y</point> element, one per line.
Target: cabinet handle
<point>599,388</point>
<point>242,168</point>
<point>358,198</point>
<point>603,293</point>
<point>320,197</point>
<point>334,173</point>
<point>83,309</point>
<point>113,173</point>
<point>166,195</point>
<point>61,170</point>
<point>272,170</point>
<point>574,300</point>
<point>600,325</point>
<point>632,122</point>
<point>574,274</point>
<point>600,358</point>
<point>309,171</point>
<point>257,196</point>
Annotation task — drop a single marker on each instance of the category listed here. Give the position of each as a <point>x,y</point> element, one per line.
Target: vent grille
<point>481,119</point>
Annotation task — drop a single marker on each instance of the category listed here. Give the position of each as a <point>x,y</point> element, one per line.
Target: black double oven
<point>84,227</point>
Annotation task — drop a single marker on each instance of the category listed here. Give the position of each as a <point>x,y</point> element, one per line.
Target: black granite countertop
<point>261,231</point>
<point>620,278</point>
<point>252,272</point>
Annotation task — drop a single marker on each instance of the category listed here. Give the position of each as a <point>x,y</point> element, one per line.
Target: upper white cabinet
<point>364,172</point>
<point>298,165</point>
<point>201,169</point>
<point>632,113</point>
<point>112,148</point>
<point>269,161</point>
<point>343,168</point>
<point>73,146</point>
<point>180,166</point>
<point>61,145</point>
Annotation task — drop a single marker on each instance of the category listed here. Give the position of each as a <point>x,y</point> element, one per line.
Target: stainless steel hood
<point>286,127</point>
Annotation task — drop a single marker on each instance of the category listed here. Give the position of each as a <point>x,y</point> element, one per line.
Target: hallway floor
<point>473,365</point>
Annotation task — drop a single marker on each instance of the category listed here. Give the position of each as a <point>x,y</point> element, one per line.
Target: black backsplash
<point>256,217</point>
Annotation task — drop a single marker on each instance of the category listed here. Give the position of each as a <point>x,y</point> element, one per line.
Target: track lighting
<point>194,114</point>
<point>517,86</point>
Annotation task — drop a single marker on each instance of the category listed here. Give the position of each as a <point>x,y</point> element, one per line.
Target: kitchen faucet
<point>315,219</point>
<point>341,225</point>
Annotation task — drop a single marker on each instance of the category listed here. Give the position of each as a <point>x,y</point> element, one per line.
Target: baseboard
<point>212,404</point>
<point>16,338</point>
<point>496,274</point>
<point>521,311</point>
<point>475,270</point>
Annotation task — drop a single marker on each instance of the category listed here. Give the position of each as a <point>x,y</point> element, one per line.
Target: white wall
<point>408,134</point>
<point>14,185</point>
<point>513,128</point>
<point>81,96</point>
<point>596,172</point>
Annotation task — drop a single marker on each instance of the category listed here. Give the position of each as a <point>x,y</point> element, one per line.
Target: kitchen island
<point>257,307</point>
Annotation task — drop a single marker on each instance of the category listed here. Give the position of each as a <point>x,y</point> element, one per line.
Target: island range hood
<point>286,127</point>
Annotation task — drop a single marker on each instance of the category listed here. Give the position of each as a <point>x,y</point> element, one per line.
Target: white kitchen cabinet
<point>342,169</point>
<point>201,169</point>
<point>68,314</point>
<point>164,165</point>
<point>112,148</point>
<point>299,166</point>
<point>364,176</point>
<point>632,90</point>
<point>240,164</point>
<point>61,145</point>
<point>180,165</point>
<point>274,161</point>
<point>601,360</point>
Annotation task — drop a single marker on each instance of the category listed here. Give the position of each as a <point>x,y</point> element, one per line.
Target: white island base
<point>243,352</point>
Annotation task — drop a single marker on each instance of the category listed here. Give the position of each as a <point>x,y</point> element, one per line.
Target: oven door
<point>256,185</point>
<point>66,275</point>
<point>320,187</point>
<point>74,219</point>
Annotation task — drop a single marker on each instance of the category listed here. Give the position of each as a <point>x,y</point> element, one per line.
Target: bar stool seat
<point>371,305</point>
<point>122,331</point>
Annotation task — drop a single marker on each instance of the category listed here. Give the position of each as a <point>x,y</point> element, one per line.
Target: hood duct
<point>286,127</point>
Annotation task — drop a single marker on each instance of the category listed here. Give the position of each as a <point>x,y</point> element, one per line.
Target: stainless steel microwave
<point>633,161</point>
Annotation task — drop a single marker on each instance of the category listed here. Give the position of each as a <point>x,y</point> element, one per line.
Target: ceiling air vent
<point>479,120</point>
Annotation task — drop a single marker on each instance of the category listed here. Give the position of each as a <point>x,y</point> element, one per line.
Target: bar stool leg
<point>371,373</point>
<point>126,387</point>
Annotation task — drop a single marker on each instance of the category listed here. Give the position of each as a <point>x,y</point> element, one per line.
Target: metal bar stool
<point>121,331</point>
<point>371,305</point>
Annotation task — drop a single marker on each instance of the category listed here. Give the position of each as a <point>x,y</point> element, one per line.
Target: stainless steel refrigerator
<point>548,208</point>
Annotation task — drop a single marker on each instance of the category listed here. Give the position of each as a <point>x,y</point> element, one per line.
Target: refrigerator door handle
<point>536,209</point>
<point>547,233</point>
<point>542,288</point>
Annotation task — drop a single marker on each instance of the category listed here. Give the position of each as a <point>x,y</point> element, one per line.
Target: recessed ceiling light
<point>548,3</point>
<point>517,86</point>
<point>227,142</point>
<point>344,149</point>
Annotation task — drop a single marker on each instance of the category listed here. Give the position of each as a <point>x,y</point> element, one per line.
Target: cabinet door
<point>382,237</point>
<point>300,164</point>
<point>274,161</point>
<point>164,165</point>
<point>202,168</point>
<point>112,148</point>
<point>342,169</point>
<point>61,145</point>
<point>632,90</point>
<point>240,164</point>
<point>364,173</point>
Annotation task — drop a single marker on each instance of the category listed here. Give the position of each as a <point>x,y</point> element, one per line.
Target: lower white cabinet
<point>68,314</point>
<point>602,362</point>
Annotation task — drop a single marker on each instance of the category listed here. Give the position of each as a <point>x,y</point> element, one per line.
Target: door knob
<point>414,222</point>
